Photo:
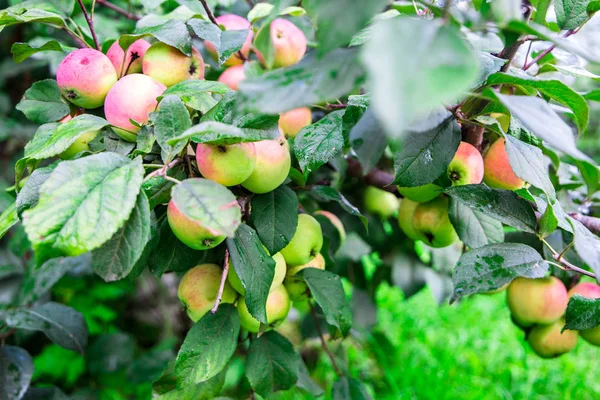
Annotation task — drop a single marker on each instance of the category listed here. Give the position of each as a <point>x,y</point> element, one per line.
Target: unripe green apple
<point>227,165</point>
<point>335,221</point>
<point>547,341</point>
<point>467,165</point>
<point>306,243</point>
<point>591,291</point>
<point>80,144</point>
<point>291,122</point>
<point>296,287</point>
<point>432,224</point>
<point>421,194</point>
<point>85,76</point>
<point>503,119</point>
<point>537,301</point>
<point>199,287</point>
<point>497,170</point>
<point>278,307</point>
<point>272,166</point>
<point>405,218</point>
<point>280,270</point>
<point>132,64</point>
<point>232,76</point>
<point>190,231</point>
<point>169,66</point>
<point>232,22</point>
<point>380,202</point>
<point>288,41</point>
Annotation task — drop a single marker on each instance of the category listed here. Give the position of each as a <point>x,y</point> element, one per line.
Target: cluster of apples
<point>539,305</point>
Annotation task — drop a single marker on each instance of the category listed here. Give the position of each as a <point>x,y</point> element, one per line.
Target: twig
<point>118,9</point>
<point>528,51</point>
<point>82,43</point>
<point>90,23</point>
<point>211,16</point>
<point>559,258</point>
<point>547,51</point>
<point>509,52</point>
<point>592,223</point>
<point>323,343</point>
<point>222,285</point>
<point>376,177</point>
<point>163,171</point>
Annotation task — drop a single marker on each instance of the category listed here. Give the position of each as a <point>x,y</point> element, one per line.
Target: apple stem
<point>90,24</point>
<point>313,312</point>
<point>222,285</point>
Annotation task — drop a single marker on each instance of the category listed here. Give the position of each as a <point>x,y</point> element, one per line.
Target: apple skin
<point>291,122</point>
<point>273,162</point>
<point>497,170</point>
<point>278,307</point>
<point>232,76</point>
<point>381,203</point>
<point>592,291</point>
<point>288,41</point>
<point>296,287</point>
<point>132,97</point>
<point>190,231</point>
<point>85,77</point>
<point>232,22</point>
<point>133,62</point>
<point>280,271</point>
<point>199,287</point>
<point>335,221</point>
<point>467,165</point>
<point>227,165</point>
<point>306,243</point>
<point>81,144</point>
<point>536,301</point>
<point>169,66</point>
<point>548,342</point>
<point>405,218</point>
<point>432,224</point>
<point>421,194</point>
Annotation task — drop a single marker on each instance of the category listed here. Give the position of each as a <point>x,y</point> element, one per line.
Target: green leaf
<point>62,324</point>
<point>504,205</point>
<point>45,393</point>
<point>16,369</point>
<point>208,346</point>
<point>272,364</point>
<point>356,107</point>
<point>218,133</point>
<point>171,119</point>
<point>326,289</point>
<point>591,176</point>
<point>593,7</point>
<point>158,189</point>
<point>226,43</point>
<point>173,32</point>
<point>109,353</point>
<point>32,11</point>
<point>368,140</point>
<point>548,222</point>
<point>570,14</point>
<point>407,80</point>
<point>493,266</point>
<point>145,140</point>
<point>83,204</point>
<point>349,389</point>
<point>473,227</point>
<point>262,41</point>
<point>488,65</point>
<point>116,258</point>
<point>254,267</point>
<point>327,193</point>
<point>197,94</point>
<point>582,313</point>
<point>426,155</point>
<point>587,246</point>
<point>275,217</point>
<point>42,103</point>
<point>305,382</point>
<point>311,81</point>
<point>115,144</point>
<point>8,219</point>
<point>22,51</point>
<point>318,143</point>
<point>207,390</point>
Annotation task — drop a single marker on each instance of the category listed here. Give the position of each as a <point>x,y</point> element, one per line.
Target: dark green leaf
<point>8,219</point>
<point>32,11</point>
<point>217,133</point>
<point>197,94</point>
<point>570,14</point>
<point>226,42</point>
<point>305,382</point>
<point>45,393</point>
<point>110,353</point>
<point>582,313</point>
<point>158,189</point>
<point>356,107</point>
<point>350,389</point>
<point>42,103</point>
<point>22,51</point>
<point>327,193</point>
<point>16,369</point>
<point>368,140</point>
<point>171,120</point>
<point>591,176</point>
<point>114,143</point>
<point>473,227</point>
<point>173,32</point>
<point>207,390</point>
<point>318,143</point>
<point>488,65</point>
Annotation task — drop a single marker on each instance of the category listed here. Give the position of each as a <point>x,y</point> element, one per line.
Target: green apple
<point>296,287</point>
<point>278,307</point>
<point>80,144</point>
<point>280,270</point>
<point>272,166</point>
<point>381,203</point>
<point>537,301</point>
<point>547,341</point>
<point>190,231</point>
<point>335,221</point>
<point>467,165</point>
<point>421,194</point>
<point>432,224</point>
<point>199,287</point>
<point>497,170</point>
<point>405,218</point>
<point>592,291</point>
<point>169,65</point>
<point>306,243</point>
<point>227,165</point>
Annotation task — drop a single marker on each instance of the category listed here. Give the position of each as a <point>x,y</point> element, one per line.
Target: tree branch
<point>222,285</point>
<point>509,52</point>
<point>76,38</point>
<point>118,9</point>
<point>210,14</point>
<point>376,177</point>
<point>323,342</point>
<point>592,223</point>
<point>547,51</point>
<point>473,134</point>
<point>90,23</point>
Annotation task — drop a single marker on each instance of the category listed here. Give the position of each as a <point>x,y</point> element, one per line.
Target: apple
<point>132,97</point>
<point>296,287</point>
<point>85,77</point>
<point>278,307</point>
<point>405,218</point>
<point>80,144</point>
<point>421,194</point>
<point>306,243</point>
<point>191,231</point>
<point>232,76</point>
<point>132,64</point>
<point>592,291</point>
<point>169,66</point>
<point>537,301</point>
<point>288,41</point>
<point>232,22</point>
<point>381,203</point>
<point>335,221</point>
<point>547,341</point>
<point>291,122</point>
<point>280,270</point>
<point>199,287</point>
<point>497,170</point>
<point>432,224</point>
<point>228,165</point>
<point>273,162</point>
<point>467,165</point>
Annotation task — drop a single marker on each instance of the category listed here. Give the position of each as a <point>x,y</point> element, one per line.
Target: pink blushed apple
<point>169,66</point>
<point>132,64</point>
<point>288,41</point>
<point>232,22</point>
<point>232,76</point>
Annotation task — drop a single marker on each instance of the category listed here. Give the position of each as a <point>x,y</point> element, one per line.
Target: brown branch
<point>376,177</point>
<point>547,51</point>
<point>222,285</point>
<point>473,134</point>
<point>509,52</point>
<point>118,9</point>
<point>592,223</point>
<point>572,267</point>
<point>210,14</point>
<point>90,23</point>
<point>323,342</point>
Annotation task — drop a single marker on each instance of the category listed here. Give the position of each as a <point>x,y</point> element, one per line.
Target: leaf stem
<point>548,50</point>
<point>90,23</point>
<point>163,171</point>
<point>313,312</point>
<point>222,285</point>
<point>568,266</point>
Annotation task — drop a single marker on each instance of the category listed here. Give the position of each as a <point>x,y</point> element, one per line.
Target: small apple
<point>132,64</point>
<point>335,221</point>
<point>405,218</point>
<point>227,165</point>
<point>232,76</point>
<point>467,165</point>
<point>306,243</point>
<point>191,231</point>
<point>291,122</point>
<point>296,287</point>
<point>280,270</point>
<point>536,301</point>
<point>421,194</point>
<point>497,170</point>
<point>85,76</point>
<point>199,287</point>
<point>232,22</point>
<point>169,66</point>
<point>288,41</point>
<point>381,203</point>
<point>278,307</point>
<point>432,224</point>
<point>272,166</point>
<point>547,341</point>
<point>132,97</point>
<point>592,291</point>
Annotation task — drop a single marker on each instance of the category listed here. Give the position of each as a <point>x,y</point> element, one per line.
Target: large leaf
<point>172,119</point>
<point>218,133</point>
<point>570,14</point>
<point>8,219</point>
<point>318,143</point>
<point>207,390</point>
<point>173,32</point>
<point>582,313</point>
<point>473,227</point>
<point>30,192</point>
<point>16,369</point>
<point>587,246</point>
<point>350,389</point>
<point>32,11</point>
<point>225,42</point>
<point>327,193</point>
<point>42,103</point>
<point>368,140</point>
<point>22,51</point>
<point>493,266</point>
<point>197,94</point>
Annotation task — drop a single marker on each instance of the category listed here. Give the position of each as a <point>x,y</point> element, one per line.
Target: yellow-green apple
<point>133,97</point>
<point>85,76</point>
<point>296,287</point>
<point>432,224</point>
<point>497,170</point>
<point>232,22</point>
<point>228,165</point>
<point>232,76</point>
<point>80,144</point>
<point>199,287</point>
<point>547,341</point>
<point>290,122</point>
<point>405,218</point>
<point>536,301</point>
<point>130,64</point>
<point>169,66</point>
<point>466,166</point>
<point>335,221</point>
<point>288,41</point>
<point>191,231</point>
<point>272,166</point>
<point>381,203</point>
<point>503,120</point>
<point>280,270</point>
<point>421,194</point>
<point>278,307</point>
<point>306,243</point>
<point>592,291</point>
